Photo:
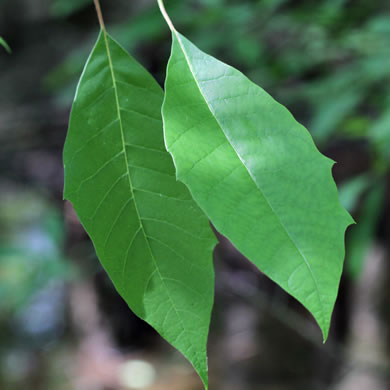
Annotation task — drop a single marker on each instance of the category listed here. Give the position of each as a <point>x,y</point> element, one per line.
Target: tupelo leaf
<point>153,240</point>
<point>257,175</point>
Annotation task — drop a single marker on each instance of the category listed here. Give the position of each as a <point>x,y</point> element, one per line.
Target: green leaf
<point>351,191</point>
<point>151,237</point>
<point>257,175</point>
<point>380,135</point>
<point>63,8</point>
<point>361,238</point>
<point>5,45</point>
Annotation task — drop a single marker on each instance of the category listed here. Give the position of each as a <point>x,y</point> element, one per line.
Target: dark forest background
<point>63,326</point>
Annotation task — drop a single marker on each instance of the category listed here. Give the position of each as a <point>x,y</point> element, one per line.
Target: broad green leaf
<point>151,237</point>
<point>257,175</point>
<point>5,45</point>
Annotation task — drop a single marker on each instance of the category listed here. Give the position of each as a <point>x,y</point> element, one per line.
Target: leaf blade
<point>150,236</point>
<point>242,172</point>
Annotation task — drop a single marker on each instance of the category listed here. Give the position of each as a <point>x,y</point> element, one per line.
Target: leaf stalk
<point>165,15</point>
<point>99,14</point>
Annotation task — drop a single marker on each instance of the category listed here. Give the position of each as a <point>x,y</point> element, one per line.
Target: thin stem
<point>99,14</point>
<point>165,14</point>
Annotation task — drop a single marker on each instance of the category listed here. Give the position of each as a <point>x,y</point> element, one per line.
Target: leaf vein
<point>250,173</point>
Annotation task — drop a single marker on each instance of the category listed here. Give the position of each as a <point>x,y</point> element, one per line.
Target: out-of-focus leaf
<point>351,191</point>
<point>380,135</point>
<point>356,126</point>
<point>362,236</point>
<point>151,237</point>
<point>257,174</point>
<point>5,45</point>
<point>330,114</point>
<point>62,8</point>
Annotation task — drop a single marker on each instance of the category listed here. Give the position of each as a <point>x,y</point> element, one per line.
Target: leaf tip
<point>205,381</point>
<point>325,334</point>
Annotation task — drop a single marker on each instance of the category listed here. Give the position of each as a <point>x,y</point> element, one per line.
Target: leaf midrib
<point>141,226</point>
<point>250,174</point>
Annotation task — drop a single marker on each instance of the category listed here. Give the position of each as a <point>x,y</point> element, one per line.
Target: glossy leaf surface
<point>152,239</point>
<point>257,174</point>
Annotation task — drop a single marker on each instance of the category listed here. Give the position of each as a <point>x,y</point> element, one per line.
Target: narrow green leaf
<point>257,174</point>
<point>151,237</point>
<point>362,237</point>
<point>64,8</point>
<point>5,45</point>
<point>380,135</point>
<point>351,191</point>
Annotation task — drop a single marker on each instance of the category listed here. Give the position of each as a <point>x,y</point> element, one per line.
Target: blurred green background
<point>62,325</point>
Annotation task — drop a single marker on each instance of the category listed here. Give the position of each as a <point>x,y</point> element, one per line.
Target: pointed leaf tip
<point>257,175</point>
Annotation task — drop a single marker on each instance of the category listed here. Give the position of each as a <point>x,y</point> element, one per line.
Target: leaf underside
<point>152,239</point>
<point>257,174</point>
